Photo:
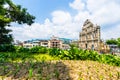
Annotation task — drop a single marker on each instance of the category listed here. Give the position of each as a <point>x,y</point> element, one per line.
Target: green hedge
<point>79,54</point>
<point>72,54</point>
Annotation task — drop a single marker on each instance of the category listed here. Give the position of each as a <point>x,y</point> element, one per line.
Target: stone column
<point>80,38</point>
<point>99,37</point>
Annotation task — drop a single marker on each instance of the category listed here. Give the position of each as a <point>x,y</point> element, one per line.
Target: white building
<point>44,43</point>
<point>54,42</point>
<point>30,44</point>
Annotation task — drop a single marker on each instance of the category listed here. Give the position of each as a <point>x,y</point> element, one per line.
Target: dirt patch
<point>59,70</point>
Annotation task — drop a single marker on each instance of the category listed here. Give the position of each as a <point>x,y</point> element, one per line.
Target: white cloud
<point>101,11</point>
<point>108,13</point>
<point>111,32</point>
<point>61,17</point>
<point>82,16</point>
<point>35,31</point>
<point>62,24</point>
<point>78,5</point>
<point>94,5</point>
<point>46,30</point>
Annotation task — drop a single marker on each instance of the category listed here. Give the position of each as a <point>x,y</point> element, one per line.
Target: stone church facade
<point>89,38</point>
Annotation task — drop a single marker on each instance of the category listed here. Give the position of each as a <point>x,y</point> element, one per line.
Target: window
<point>45,43</point>
<point>86,46</point>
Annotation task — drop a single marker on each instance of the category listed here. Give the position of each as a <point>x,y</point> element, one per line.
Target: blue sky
<point>42,9</point>
<point>64,18</point>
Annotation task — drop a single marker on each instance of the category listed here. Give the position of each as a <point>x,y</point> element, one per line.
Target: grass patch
<point>19,57</point>
<point>45,57</point>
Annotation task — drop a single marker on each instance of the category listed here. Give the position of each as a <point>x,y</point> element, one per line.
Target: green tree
<point>12,13</point>
<point>111,41</point>
<point>118,42</point>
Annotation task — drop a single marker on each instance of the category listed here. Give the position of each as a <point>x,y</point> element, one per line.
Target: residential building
<point>114,49</point>
<point>27,45</point>
<point>30,44</point>
<point>54,42</point>
<point>44,43</point>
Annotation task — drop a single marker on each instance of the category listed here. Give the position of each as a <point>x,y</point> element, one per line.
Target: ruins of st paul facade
<point>90,38</point>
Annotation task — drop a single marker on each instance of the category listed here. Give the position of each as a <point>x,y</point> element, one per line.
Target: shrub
<point>7,48</point>
<point>110,59</point>
<point>55,51</point>
<point>34,49</point>
<point>22,49</point>
<point>78,54</point>
<point>38,49</point>
<point>43,50</point>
